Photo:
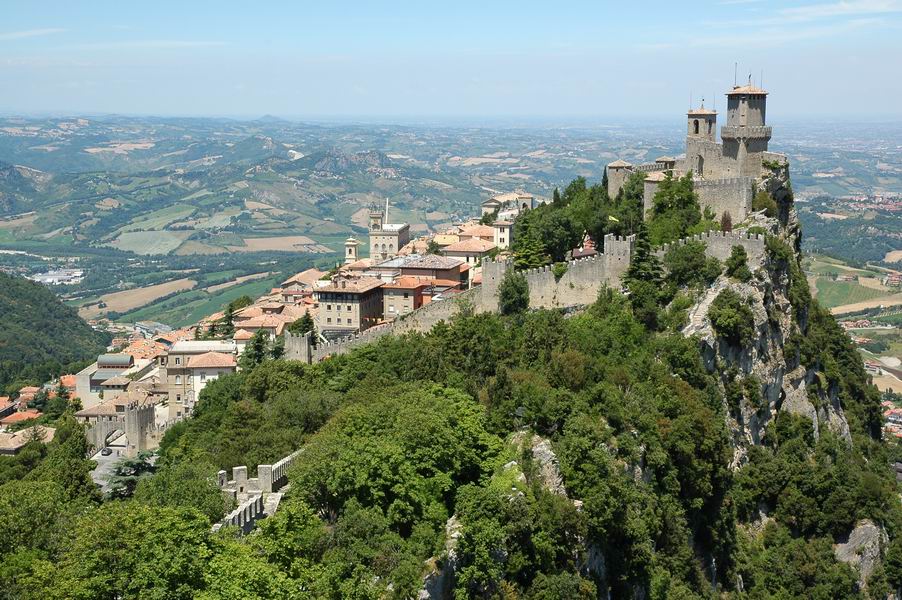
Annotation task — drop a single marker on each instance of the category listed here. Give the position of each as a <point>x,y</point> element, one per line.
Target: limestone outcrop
<point>783,384</point>
<point>863,549</point>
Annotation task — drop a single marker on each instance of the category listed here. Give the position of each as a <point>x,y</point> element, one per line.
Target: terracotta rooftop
<point>68,380</point>
<point>471,245</point>
<point>304,277</point>
<point>22,415</point>
<point>434,261</point>
<point>747,89</point>
<point>619,163</point>
<point>116,381</point>
<point>665,159</point>
<point>409,282</point>
<point>242,334</point>
<point>107,407</point>
<point>211,360</point>
<point>29,389</point>
<point>14,441</point>
<point>477,231</point>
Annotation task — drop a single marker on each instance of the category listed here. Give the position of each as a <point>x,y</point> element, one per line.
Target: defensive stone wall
<point>422,319</point>
<point>733,195</point>
<point>270,478</point>
<point>245,516</point>
<point>719,244</point>
<point>579,285</point>
<point>649,167</point>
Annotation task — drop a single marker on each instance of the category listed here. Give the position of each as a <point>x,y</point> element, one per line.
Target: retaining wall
<point>719,244</point>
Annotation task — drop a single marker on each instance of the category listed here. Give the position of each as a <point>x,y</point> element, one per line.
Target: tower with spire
<point>386,239</point>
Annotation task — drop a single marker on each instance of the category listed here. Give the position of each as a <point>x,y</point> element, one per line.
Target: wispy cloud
<point>151,44</point>
<point>28,33</point>
<point>845,8</point>
<point>775,36</point>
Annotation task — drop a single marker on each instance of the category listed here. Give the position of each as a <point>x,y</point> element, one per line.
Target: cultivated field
<point>221,286</point>
<point>127,300</point>
<point>290,243</point>
<point>893,256</point>
<point>150,242</point>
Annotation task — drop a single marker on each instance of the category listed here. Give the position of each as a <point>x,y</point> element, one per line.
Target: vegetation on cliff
<point>408,453</point>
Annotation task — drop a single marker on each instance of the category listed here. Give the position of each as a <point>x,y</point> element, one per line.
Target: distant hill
<point>40,337</point>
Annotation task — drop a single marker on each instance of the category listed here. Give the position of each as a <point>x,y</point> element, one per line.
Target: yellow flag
<point>613,218</point>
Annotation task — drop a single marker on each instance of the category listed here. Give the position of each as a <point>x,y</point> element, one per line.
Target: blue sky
<point>451,59</point>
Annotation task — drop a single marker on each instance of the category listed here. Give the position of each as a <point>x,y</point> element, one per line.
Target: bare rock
<point>439,580</point>
<point>863,549</point>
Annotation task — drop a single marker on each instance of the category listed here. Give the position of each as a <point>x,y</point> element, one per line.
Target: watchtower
<point>746,134</point>
<point>351,245</point>
<point>701,129</point>
<point>618,172</point>
<point>377,216</point>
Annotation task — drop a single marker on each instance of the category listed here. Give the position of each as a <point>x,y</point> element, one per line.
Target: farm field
<point>150,242</point>
<point>833,294</point>
<point>289,243</point>
<point>127,300</point>
<point>191,306</point>
<point>221,286</point>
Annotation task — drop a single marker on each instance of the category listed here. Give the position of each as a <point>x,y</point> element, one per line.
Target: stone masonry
<point>578,286</point>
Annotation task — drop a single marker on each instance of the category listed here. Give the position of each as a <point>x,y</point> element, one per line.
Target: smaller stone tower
<point>618,171</point>
<point>701,129</point>
<point>351,245</point>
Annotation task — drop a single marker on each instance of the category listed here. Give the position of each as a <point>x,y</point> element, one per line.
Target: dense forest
<point>40,337</point>
<point>418,444</point>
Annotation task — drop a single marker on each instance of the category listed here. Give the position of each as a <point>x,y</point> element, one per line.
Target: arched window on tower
<point>695,126</point>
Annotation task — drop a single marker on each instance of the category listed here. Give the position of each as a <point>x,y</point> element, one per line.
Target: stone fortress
<point>725,174</point>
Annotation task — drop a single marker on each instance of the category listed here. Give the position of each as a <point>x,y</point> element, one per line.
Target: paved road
<point>101,474</point>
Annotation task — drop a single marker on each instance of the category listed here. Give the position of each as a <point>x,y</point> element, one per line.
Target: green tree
<point>731,318</point>
<point>130,550</point>
<point>675,210</point>
<point>255,351</point>
<point>190,483</point>
<point>513,293</point>
<point>737,264</point>
<point>127,473</point>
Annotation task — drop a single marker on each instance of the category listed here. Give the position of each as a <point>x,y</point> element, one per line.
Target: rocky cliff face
<point>767,369</point>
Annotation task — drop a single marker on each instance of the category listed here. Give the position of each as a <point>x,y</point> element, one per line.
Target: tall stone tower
<point>746,134</point>
<point>351,245</point>
<point>377,216</point>
<point>701,129</point>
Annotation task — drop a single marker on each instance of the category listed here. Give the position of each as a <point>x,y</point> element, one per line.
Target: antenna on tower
<point>761,81</point>
<point>386,210</point>
<point>735,73</point>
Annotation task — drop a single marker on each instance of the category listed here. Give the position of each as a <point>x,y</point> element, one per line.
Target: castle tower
<point>701,129</point>
<point>617,172</point>
<point>351,245</point>
<point>377,216</point>
<point>746,134</point>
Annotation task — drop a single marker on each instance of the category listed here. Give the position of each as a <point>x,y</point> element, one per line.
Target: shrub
<point>731,318</point>
<point>558,269</point>
<point>764,201</point>
<point>687,265</point>
<point>737,264</point>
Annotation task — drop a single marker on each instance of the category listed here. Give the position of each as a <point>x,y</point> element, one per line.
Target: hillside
<point>39,336</point>
<point>710,433</point>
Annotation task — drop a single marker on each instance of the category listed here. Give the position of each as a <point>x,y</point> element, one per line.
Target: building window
<point>348,320</point>
<point>695,126</point>
<point>349,307</point>
<point>178,380</point>
<point>328,307</point>
<point>329,320</point>
<point>178,397</point>
<point>203,376</point>
<point>178,360</point>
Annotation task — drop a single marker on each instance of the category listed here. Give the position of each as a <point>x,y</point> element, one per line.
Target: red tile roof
<point>22,415</point>
<point>211,360</point>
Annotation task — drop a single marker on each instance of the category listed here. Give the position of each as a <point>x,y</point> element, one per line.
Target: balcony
<point>742,132</point>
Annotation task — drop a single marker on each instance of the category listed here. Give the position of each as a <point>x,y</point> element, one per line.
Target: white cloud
<point>151,44</point>
<point>18,35</point>
<point>844,8</point>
